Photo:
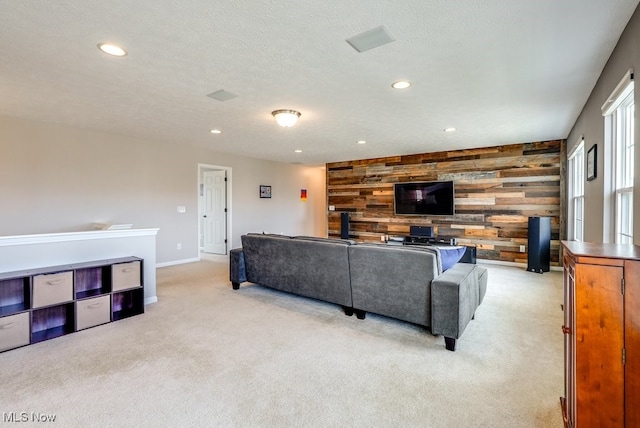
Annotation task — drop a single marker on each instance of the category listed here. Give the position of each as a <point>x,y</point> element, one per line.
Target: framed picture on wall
<point>592,162</point>
<point>265,191</point>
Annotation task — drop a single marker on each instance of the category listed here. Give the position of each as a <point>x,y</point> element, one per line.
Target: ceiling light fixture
<point>401,84</point>
<point>286,118</point>
<point>362,142</point>
<point>111,49</point>
<point>215,131</point>
<point>298,151</point>
<point>450,129</point>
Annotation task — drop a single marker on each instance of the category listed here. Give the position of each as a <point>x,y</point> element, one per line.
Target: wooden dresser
<point>601,335</point>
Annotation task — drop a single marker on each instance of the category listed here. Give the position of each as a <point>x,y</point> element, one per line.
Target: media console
<point>468,257</point>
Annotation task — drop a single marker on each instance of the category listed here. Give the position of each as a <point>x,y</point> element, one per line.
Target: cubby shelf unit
<point>44,303</point>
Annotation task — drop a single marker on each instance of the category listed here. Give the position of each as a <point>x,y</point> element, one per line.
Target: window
<point>576,193</point>
<point>624,125</point>
<point>619,112</point>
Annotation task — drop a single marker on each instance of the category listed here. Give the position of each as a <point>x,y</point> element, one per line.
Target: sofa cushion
<point>272,235</point>
<point>430,249</point>
<point>450,256</point>
<point>318,239</point>
<point>393,280</point>
<point>317,269</point>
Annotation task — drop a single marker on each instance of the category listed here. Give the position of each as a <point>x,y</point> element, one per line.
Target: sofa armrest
<point>454,299</point>
<point>237,270</point>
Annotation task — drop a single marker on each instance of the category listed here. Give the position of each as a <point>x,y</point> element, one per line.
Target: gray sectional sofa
<point>403,282</point>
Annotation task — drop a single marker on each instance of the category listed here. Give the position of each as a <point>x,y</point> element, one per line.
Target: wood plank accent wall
<point>496,190</point>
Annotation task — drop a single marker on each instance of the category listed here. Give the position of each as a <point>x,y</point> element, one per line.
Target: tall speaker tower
<point>539,235</point>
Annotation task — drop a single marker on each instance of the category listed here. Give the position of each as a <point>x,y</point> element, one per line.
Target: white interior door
<point>215,216</point>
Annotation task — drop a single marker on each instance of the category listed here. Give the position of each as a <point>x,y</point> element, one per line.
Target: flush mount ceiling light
<point>111,49</point>
<point>402,84</point>
<point>286,118</point>
<point>298,151</point>
<point>450,129</point>
<point>215,131</point>
<point>362,142</point>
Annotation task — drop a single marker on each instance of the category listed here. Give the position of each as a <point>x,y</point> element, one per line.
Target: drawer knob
<point>93,305</point>
<point>54,281</point>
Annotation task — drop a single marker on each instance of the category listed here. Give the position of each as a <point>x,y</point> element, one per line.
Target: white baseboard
<point>514,264</point>
<point>177,262</point>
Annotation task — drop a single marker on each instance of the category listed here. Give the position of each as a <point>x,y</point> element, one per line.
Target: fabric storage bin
<point>51,289</point>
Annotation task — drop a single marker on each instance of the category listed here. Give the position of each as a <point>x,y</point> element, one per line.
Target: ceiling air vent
<point>371,39</point>
<point>222,95</point>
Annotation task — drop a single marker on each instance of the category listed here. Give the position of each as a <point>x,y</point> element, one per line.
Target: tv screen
<point>428,198</point>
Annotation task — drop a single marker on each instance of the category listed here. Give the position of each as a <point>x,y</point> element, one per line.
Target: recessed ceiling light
<point>111,49</point>
<point>450,129</point>
<point>402,84</point>
<point>215,131</point>
<point>362,142</point>
<point>298,151</point>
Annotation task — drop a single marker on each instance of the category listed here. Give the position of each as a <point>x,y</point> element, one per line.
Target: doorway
<point>214,208</point>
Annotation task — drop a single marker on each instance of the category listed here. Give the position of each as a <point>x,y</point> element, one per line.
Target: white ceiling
<point>501,72</point>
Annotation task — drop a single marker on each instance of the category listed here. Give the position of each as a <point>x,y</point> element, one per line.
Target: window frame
<point>576,174</point>
<point>619,110</point>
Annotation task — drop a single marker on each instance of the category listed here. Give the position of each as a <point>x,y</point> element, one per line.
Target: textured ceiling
<point>499,71</point>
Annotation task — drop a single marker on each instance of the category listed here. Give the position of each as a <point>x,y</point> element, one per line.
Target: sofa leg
<point>235,285</point>
<point>347,311</point>
<point>360,314</point>
<point>450,343</point>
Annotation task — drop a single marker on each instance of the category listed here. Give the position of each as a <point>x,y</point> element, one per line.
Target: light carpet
<point>206,355</point>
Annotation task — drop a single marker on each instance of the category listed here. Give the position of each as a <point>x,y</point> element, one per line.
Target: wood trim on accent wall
<point>496,190</point>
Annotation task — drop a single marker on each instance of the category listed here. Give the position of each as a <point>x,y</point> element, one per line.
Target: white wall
<point>48,250</point>
<point>61,179</point>
<point>590,125</point>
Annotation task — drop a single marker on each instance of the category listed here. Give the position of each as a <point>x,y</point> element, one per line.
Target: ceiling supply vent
<point>371,39</point>
<point>222,95</point>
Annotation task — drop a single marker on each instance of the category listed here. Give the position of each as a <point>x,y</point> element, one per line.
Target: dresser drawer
<point>52,289</point>
<point>125,276</point>
<point>92,312</point>
<point>14,331</point>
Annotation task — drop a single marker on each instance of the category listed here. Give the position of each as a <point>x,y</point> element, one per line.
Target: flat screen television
<point>426,198</point>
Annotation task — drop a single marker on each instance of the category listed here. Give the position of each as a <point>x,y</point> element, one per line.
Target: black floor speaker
<point>539,235</point>
<point>344,226</point>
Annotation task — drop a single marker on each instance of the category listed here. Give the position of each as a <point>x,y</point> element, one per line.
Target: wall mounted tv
<point>426,198</point>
